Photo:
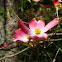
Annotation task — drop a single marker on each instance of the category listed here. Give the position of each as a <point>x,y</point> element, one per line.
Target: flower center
<point>27,36</point>
<point>58,5</point>
<point>37,31</point>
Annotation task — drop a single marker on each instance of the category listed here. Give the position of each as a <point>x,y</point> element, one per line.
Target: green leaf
<point>29,1</point>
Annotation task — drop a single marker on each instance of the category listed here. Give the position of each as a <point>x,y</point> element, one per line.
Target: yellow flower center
<point>37,31</point>
<point>27,36</point>
<point>58,5</point>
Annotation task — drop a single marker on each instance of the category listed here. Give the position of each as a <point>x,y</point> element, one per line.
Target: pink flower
<point>37,29</point>
<point>36,0</point>
<point>4,46</point>
<point>60,0</point>
<point>21,36</point>
<point>56,3</point>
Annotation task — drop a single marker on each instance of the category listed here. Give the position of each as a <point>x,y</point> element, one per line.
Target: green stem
<point>38,53</point>
<point>57,13</point>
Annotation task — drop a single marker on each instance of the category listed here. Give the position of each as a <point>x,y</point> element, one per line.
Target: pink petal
<point>60,0</point>
<point>32,40</point>
<point>23,27</point>
<point>21,36</point>
<point>33,24</point>
<point>50,25</point>
<point>19,33</point>
<point>34,37</point>
<point>36,0</point>
<point>42,35</point>
<point>41,24</point>
<point>54,1</point>
<point>45,36</point>
<point>36,25</point>
<point>14,39</point>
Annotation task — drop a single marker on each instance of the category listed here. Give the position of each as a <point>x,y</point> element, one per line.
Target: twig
<point>57,46</point>
<point>7,49</point>
<point>55,39</point>
<point>14,54</point>
<point>60,18</point>
<point>51,40</point>
<point>57,13</point>
<point>46,51</point>
<point>19,18</point>
<point>55,34</point>
<point>56,55</point>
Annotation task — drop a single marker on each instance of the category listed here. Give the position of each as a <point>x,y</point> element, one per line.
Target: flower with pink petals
<point>57,3</point>
<point>37,29</point>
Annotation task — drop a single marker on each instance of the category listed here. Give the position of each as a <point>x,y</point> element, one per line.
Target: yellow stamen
<point>58,5</point>
<point>37,31</point>
<point>27,36</point>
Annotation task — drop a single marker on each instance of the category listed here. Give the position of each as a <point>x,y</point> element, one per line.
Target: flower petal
<point>60,0</point>
<point>32,40</point>
<point>36,0</point>
<point>19,32</point>
<point>50,25</point>
<point>33,24</point>
<point>54,1</point>
<point>23,27</point>
<point>36,25</point>
<point>14,39</point>
<point>34,37</point>
<point>45,36</point>
<point>41,24</point>
<point>41,35</point>
<point>21,36</point>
